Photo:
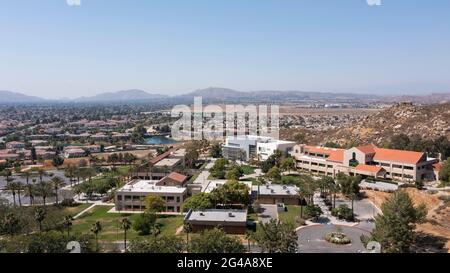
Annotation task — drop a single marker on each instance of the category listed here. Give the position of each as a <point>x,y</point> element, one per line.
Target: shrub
<point>338,238</point>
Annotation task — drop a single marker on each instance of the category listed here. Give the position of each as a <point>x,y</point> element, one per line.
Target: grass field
<point>290,215</point>
<point>247,169</point>
<point>111,223</point>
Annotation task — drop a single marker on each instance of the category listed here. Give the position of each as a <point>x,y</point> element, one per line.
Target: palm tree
<point>68,219</point>
<point>70,173</point>
<point>126,225</point>
<point>57,182</point>
<point>11,186</point>
<point>41,174</point>
<point>249,235</point>
<point>39,216</point>
<point>26,175</point>
<point>187,227</point>
<point>44,190</point>
<point>29,192</point>
<point>19,189</point>
<point>96,229</point>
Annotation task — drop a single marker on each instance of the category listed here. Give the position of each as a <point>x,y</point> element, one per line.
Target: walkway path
<point>268,212</point>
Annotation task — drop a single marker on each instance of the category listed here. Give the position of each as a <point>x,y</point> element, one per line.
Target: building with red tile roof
<point>367,161</point>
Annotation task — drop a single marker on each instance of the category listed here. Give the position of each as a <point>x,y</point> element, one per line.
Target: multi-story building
<point>367,161</point>
<point>231,221</point>
<point>254,147</point>
<point>131,196</point>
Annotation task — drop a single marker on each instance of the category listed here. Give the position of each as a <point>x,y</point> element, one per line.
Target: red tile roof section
<point>407,157</point>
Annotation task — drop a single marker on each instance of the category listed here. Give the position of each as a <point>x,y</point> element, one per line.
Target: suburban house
<point>231,221</point>
<point>74,153</point>
<point>15,145</point>
<point>276,194</point>
<point>254,147</point>
<point>367,161</point>
<point>131,196</point>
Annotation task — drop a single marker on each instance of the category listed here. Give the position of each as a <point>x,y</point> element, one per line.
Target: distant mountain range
<point>225,95</point>
<point>124,95</point>
<point>13,97</point>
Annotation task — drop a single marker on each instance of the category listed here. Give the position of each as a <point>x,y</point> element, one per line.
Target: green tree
<point>96,228</point>
<point>277,237</point>
<point>232,192</point>
<point>154,203</point>
<point>68,219</point>
<point>394,228</point>
<point>39,216</point>
<point>56,182</point>
<point>145,224</point>
<point>198,201</point>
<point>163,244</point>
<point>235,173</point>
<point>126,225</point>
<point>274,174</point>
<point>215,241</point>
<point>216,151</point>
<point>288,164</point>
<point>444,173</point>
<point>219,167</point>
<point>187,228</point>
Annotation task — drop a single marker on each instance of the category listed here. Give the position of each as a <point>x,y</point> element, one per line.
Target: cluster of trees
<point>440,145</point>
<point>444,174</point>
<point>222,169</point>
<point>229,194</point>
<point>276,164</point>
<point>126,158</point>
<point>394,228</point>
<point>43,229</point>
<point>36,189</point>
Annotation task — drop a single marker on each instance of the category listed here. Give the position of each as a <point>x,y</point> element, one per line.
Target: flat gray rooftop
<point>217,215</point>
<point>275,189</point>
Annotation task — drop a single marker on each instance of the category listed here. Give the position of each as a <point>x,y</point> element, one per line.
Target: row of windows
<point>141,198</point>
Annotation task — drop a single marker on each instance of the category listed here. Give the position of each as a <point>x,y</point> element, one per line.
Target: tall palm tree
<point>57,182</point>
<point>68,219</point>
<point>19,189</point>
<point>26,175</point>
<point>41,174</point>
<point>126,225</point>
<point>70,173</point>
<point>44,190</point>
<point>11,187</point>
<point>29,192</point>
<point>96,229</point>
<point>187,227</point>
<point>39,216</point>
<point>249,235</point>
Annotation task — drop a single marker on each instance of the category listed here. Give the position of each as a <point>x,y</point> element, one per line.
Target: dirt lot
<point>438,218</point>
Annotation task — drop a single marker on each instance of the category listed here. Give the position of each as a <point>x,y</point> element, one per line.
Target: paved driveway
<point>364,209</point>
<point>311,239</point>
<point>268,212</point>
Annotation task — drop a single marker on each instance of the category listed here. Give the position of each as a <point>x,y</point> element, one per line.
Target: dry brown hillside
<point>427,121</point>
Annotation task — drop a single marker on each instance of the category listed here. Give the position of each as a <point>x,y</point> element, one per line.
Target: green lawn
<point>111,222</point>
<point>247,169</point>
<point>76,209</point>
<point>290,215</point>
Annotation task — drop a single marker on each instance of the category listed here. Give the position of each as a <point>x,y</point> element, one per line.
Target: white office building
<point>254,147</point>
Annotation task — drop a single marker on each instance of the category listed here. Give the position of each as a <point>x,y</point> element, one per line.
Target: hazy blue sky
<point>54,50</point>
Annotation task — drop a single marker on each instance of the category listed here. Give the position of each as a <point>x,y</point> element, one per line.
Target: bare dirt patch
<point>438,218</point>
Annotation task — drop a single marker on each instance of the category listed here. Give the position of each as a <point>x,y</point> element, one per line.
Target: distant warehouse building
<point>231,221</point>
<point>254,147</point>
